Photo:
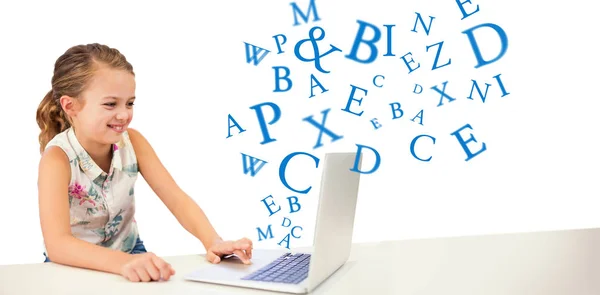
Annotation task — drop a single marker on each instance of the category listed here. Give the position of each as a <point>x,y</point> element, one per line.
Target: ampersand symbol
<point>313,40</point>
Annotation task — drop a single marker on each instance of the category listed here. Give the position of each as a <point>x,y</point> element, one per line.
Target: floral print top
<point>102,205</point>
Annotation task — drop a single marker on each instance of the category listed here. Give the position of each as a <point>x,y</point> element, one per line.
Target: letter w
<point>252,165</point>
<point>253,52</point>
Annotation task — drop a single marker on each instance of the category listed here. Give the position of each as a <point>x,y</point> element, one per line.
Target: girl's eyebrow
<point>117,98</point>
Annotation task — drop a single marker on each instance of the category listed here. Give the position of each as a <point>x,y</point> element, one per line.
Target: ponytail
<point>51,119</point>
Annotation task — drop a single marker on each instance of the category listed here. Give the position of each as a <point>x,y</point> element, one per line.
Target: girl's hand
<point>242,248</point>
<point>146,267</point>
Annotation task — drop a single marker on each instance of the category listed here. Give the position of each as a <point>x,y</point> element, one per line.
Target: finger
<point>212,257</point>
<point>240,254</point>
<point>242,245</point>
<point>250,247</point>
<point>131,275</point>
<point>163,266</point>
<point>247,241</point>
<point>142,274</point>
<point>166,274</point>
<point>152,270</point>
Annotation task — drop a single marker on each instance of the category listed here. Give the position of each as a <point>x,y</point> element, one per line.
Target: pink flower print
<point>115,147</point>
<point>77,191</point>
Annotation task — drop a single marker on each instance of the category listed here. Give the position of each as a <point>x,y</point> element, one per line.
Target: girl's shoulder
<point>126,151</point>
<point>62,141</point>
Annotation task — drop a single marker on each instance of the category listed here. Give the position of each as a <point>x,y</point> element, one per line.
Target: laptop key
<point>290,269</point>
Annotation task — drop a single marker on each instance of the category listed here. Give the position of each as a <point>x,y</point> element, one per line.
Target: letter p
<point>262,122</point>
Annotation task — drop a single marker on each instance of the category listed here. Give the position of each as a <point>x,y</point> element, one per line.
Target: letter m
<point>297,11</point>
<point>253,52</point>
<point>252,165</point>
<point>262,235</point>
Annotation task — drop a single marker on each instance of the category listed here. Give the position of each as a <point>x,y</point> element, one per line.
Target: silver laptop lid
<point>335,216</point>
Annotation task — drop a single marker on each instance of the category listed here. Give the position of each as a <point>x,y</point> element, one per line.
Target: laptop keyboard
<point>288,268</point>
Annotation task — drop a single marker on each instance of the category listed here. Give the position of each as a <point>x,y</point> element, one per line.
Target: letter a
<point>252,165</point>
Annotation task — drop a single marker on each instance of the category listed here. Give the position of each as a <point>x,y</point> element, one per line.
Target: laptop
<point>282,270</point>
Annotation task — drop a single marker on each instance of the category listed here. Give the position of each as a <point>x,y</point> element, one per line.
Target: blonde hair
<point>72,72</point>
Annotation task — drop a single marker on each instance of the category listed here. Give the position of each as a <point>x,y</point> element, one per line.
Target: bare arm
<point>61,246</point>
<point>184,208</point>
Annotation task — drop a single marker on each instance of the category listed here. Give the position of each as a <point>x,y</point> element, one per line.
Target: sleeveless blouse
<point>102,205</point>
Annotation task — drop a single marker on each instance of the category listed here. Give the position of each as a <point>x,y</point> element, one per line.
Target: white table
<point>541,263</point>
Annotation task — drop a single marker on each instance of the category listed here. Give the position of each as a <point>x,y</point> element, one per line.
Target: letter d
<point>288,220</point>
<point>358,160</point>
<point>503,39</point>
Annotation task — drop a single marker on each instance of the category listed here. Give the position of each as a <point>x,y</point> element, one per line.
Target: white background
<point>539,171</point>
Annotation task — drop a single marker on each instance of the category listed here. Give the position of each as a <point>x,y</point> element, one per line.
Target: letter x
<point>322,128</point>
<point>443,93</point>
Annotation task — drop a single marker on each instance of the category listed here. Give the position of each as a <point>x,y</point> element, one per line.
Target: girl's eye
<point>112,104</point>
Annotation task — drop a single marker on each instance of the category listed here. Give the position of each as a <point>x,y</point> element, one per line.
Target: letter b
<point>278,78</point>
<point>370,43</point>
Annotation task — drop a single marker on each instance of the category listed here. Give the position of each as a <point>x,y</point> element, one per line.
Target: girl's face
<point>107,106</point>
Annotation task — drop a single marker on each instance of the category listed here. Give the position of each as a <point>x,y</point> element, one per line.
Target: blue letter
<point>231,119</point>
<point>255,52</point>
<point>420,90</point>
<point>351,98</point>
<point>283,166</point>
<point>443,93</point>
<point>410,70</point>
<point>294,203</point>
<point>375,78</point>
<point>253,162</point>
<point>311,6</point>
<point>357,160</point>
<point>322,128</point>
<point>389,40</point>
<point>419,115</point>
<point>437,55</point>
<point>419,18</point>
<point>462,9</point>
<point>277,78</point>
<point>287,239</point>
<point>371,43</point>
<point>279,50</point>
<point>375,123</point>
<point>503,39</point>
<point>463,143</point>
<point>396,109</point>
<point>504,93</point>
<point>292,231</point>
<point>312,85</point>
<point>269,205</point>
<point>412,147</point>
<point>261,119</point>
<point>284,219</point>
<point>479,91</point>
<point>262,235</point>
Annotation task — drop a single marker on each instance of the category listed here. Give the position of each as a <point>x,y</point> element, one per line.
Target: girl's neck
<point>101,154</point>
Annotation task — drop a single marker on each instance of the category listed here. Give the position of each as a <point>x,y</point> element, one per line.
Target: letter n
<point>252,165</point>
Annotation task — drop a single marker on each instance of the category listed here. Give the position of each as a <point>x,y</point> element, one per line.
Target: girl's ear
<point>69,105</point>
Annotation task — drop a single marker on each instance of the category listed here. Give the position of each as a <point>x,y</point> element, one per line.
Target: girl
<point>89,165</point>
